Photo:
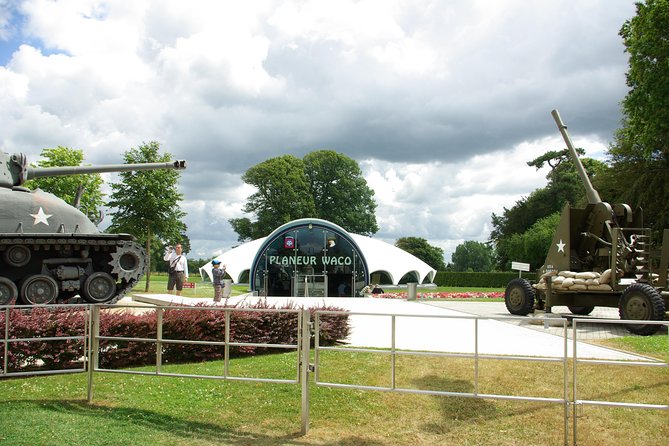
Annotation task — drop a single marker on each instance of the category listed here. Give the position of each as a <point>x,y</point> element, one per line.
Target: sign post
<point>520,267</point>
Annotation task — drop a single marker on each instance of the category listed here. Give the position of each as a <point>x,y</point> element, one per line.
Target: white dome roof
<point>380,257</point>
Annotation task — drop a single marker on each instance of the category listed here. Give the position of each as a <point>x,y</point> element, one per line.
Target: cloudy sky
<point>441,102</point>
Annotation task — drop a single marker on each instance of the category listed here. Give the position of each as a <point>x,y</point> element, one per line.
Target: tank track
<point>70,259</point>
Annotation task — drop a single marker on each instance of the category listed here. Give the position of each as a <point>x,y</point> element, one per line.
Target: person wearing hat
<point>217,274</point>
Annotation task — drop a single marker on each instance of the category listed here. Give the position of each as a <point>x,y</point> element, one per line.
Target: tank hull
<point>51,252</point>
<point>50,268</point>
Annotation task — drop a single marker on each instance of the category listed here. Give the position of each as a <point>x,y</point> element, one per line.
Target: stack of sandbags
<point>571,281</point>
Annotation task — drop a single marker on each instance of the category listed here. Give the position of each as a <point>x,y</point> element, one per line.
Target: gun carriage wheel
<point>581,311</point>
<point>519,297</point>
<point>641,301</point>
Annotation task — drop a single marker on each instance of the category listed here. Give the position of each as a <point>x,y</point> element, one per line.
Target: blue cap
<point>215,262</point>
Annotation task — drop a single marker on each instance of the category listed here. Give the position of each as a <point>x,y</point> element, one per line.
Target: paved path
<point>586,331</point>
<point>434,326</point>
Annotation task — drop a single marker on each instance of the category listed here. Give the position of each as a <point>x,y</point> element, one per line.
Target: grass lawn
<point>158,410</point>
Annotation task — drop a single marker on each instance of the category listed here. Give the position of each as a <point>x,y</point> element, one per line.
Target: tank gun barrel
<point>39,172</point>
<point>591,193</point>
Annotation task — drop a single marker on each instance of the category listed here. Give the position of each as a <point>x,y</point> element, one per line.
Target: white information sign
<point>520,266</point>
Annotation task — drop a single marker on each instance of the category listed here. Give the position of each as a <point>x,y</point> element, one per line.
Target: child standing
<point>217,274</point>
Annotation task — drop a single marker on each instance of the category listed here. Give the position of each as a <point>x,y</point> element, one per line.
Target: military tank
<point>50,251</point>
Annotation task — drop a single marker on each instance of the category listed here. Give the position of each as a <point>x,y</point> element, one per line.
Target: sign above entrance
<point>310,260</point>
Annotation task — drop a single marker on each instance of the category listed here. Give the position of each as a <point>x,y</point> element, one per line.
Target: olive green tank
<point>50,251</point>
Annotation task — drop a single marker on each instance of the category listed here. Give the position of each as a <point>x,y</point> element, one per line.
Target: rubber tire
<point>581,311</point>
<point>641,301</point>
<point>519,297</point>
<point>28,285</point>
<point>98,288</point>
<point>8,291</point>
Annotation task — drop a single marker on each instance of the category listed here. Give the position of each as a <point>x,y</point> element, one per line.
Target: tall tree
<point>340,192</point>
<point>640,153</point>
<point>282,195</point>
<point>147,202</point>
<point>472,256</point>
<point>531,246</point>
<point>325,184</point>
<point>564,186</point>
<point>86,186</point>
<point>419,247</point>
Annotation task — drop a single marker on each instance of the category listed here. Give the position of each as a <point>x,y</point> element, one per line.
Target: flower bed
<point>444,295</point>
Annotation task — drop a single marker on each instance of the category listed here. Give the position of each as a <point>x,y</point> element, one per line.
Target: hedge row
<point>480,280</point>
<point>258,327</point>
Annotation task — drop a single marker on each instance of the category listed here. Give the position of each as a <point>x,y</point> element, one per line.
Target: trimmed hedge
<point>258,327</point>
<point>480,280</point>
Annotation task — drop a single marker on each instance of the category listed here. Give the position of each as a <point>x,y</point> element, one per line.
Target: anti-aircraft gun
<point>600,255</point>
<point>50,251</point>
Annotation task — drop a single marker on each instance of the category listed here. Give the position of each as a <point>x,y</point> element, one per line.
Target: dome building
<point>316,258</point>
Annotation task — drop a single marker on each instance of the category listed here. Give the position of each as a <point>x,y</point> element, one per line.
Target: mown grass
<point>159,410</point>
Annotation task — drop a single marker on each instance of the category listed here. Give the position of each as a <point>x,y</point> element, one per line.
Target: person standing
<point>177,267</point>
<point>217,274</point>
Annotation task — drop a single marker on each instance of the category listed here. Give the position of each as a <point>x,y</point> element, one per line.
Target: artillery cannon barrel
<point>590,192</point>
<point>39,172</point>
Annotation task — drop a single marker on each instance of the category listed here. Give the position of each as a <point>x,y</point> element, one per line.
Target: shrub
<point>478,280</point>
<point>187,324</point>
<point>42,323</point>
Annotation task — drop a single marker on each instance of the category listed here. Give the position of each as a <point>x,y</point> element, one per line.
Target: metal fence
<point>309,331</point>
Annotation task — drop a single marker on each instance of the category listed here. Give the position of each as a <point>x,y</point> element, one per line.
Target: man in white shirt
<point>178,269</point>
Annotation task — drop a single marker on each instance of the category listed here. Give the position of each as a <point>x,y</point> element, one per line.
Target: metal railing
<point>306,331</point>
<point>476,356</point>
<point>578,403</point>
<point>8,339</point>
<point>160,342</point>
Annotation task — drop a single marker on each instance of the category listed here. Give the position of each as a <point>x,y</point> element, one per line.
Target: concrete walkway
<point>432,326</point>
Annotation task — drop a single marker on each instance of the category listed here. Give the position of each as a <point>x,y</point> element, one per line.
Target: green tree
<point>147,202</point>
<point>340,192</point>
<point>640,153</point>
<point>532,245</point>
<point>68,187</point>
<point>472,256</point>
<point>419,247</point>
<point>325,184</point>
<point>564,186</point>
<point>282,195</point>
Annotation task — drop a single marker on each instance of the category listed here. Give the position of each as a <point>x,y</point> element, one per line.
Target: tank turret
<point>50,251</point>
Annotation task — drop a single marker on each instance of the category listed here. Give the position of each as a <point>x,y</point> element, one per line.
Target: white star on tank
<point>41,217</point>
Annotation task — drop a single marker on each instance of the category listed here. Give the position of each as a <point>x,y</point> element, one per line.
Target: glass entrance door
<point>311,285</point>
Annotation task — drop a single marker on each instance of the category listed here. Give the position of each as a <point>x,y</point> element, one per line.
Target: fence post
<point>94,347</point>
<point>574,364</point>
<point>411,290</point>
<point>304,369</point>
<point>5,346</point>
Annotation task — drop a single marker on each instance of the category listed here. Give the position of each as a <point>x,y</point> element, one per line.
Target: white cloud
<point>442,102</point>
